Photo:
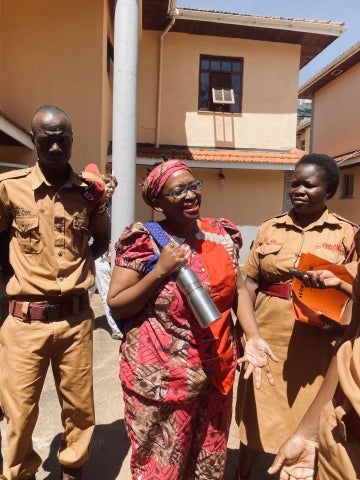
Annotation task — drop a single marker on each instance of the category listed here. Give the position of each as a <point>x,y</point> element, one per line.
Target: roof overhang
<point>351,159</point>
<point>12,134</point>
<point>329,73</point>
<point>303,126</point>
<point>221,158</point>
<point>312,35</point>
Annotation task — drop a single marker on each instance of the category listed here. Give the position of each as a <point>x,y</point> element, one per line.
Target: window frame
<point>221,73</point>
<point>288,176</point>
<point>348,185</point>
<point>223,90</point>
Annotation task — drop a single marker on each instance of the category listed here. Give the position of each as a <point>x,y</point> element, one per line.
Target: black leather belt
<point>48,310</point>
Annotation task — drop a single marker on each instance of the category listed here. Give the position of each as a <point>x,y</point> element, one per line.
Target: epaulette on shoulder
<point>346,220</point>
<point>274,217</point>
<point>22,172</point>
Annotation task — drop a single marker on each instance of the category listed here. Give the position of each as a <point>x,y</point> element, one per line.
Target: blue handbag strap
<point>161,239</point>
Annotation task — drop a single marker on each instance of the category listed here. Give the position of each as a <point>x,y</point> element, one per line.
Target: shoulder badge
<point>22,172</point>
<point>275,217</point>
<point>346,220</point>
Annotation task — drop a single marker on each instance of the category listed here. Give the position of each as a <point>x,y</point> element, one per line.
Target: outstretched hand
<point>297,459</point>
<point>257,353</point>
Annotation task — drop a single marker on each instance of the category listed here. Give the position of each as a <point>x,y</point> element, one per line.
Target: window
<point>220,84</point>
<point>348,185</point>
<point>288,176</point>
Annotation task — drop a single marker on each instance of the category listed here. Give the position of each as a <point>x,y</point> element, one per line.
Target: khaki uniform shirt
<point>271,414</point>
<point>50,230</point>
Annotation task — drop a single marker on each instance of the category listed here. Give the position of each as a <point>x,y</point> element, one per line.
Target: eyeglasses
<point>180,192</point>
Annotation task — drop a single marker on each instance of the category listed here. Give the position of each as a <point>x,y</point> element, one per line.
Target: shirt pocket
<point>27,233</point>
<point>80,234</point>
<point>268,257</point>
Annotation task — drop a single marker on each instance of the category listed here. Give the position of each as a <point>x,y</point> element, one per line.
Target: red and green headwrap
<point>154,182</point>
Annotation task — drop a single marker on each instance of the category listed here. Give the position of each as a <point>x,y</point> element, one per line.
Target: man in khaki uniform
<point>52,212</point>
<point>5,274</point>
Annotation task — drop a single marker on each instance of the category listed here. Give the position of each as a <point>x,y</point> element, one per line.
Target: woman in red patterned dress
<point>176,376</point>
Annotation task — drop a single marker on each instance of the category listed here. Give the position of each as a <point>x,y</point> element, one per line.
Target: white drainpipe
<point>161,48</point>
<point>126,39</point>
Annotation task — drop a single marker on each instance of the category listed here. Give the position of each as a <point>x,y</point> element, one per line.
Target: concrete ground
<point>109,458</point>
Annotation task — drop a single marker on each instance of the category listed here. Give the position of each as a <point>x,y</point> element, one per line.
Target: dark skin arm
<point>129,291</point>
<point>326,279</point>
<point>101,237</point>
<point>252,286</point>
<point>296,458</point>
<point>257,351</point>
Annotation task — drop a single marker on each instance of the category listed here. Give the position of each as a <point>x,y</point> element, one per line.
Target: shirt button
<point>61,279</point>
<point>60,253</point>
<point>59,226</point>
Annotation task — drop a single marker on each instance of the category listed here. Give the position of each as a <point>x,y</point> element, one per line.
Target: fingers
<point>270,354</point>
<point>257,377</point>
<point>277,464</point>
<point>249,370</point>
<point>269,375</point>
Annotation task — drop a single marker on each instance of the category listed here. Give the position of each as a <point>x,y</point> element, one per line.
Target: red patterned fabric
<point>200,428</point>
<point>177,376</point>
<point>166,356</point>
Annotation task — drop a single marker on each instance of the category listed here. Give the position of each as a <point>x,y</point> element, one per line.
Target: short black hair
<point>51,109</point>
<point>327,165</point>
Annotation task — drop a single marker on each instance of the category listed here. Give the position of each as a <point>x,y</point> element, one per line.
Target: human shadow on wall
<point>109,447</point>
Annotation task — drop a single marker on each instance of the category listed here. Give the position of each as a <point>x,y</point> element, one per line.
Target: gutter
<point>148,161</point>
<point>298,25</point>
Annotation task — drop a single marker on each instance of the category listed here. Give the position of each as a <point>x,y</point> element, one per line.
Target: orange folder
<point>315,305</point>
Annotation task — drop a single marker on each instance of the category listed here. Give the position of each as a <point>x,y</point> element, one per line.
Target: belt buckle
<point>52,311</point>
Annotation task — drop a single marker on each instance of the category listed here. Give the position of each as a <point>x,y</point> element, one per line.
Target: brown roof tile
<point>221,155</point>
<point>347,156</point>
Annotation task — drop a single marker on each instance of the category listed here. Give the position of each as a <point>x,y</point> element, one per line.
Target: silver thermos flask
<point>203,308</point>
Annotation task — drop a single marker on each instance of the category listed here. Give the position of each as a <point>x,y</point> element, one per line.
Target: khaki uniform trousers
<point>28,348</point>
<point>339,453</point>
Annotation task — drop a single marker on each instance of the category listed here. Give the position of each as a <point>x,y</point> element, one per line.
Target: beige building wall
<point>259,195</point>
<point>266,122</point>
<point>58,56</point>
<point>337,109</point>
<point>347,207</point>
<point>336,132</point>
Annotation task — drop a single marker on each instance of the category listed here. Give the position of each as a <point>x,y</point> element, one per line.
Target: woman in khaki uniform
<point>330,430</point>
<point>267,417</point>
